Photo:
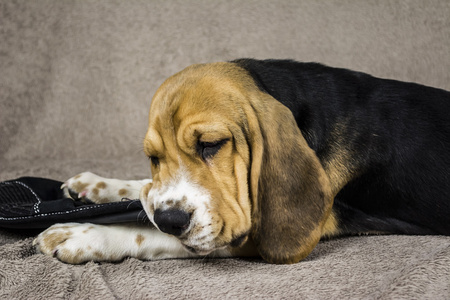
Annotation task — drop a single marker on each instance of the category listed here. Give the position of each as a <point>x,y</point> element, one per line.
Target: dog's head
<point>228,163</point>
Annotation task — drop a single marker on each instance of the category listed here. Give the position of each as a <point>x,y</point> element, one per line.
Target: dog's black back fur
<point>398,134</point>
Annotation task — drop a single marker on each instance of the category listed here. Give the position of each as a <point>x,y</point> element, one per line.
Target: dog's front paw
<point>74,243</point>
<point>89,187</point>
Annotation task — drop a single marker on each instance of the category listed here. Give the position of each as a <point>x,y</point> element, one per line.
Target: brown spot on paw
<point>79,186</point>
<point>139,239</point>
<point>98,254</point>
<point>101,185</point>
<point>52,240</point>
<point>103,200</point>
<point>78,254</point>
<point>123,192</point>
<point>64,255</point>
<point>87,229</point>
<point>95,191</point>
<point>64,227</point>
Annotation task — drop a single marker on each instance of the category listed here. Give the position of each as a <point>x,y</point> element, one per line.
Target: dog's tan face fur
<point>225,193</point>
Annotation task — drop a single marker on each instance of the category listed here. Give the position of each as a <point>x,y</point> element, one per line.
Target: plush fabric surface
<point>398,267</point>
<point>76,83</point>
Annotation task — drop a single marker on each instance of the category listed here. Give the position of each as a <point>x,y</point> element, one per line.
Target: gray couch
<point>76,80</point>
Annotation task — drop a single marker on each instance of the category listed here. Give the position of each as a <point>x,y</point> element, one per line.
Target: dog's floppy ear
<point>289,188</point>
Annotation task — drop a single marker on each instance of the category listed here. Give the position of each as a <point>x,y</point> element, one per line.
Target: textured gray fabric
<point>398,267</point>
<point>76,82</point>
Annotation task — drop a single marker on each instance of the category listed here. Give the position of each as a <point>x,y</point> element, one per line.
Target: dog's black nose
<point>172,221</point>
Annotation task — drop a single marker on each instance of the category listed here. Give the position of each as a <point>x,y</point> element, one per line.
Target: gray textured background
<point>77,77</point>
<point>76,80</point>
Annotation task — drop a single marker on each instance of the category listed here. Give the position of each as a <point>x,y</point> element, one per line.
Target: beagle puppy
<point>266,158</point>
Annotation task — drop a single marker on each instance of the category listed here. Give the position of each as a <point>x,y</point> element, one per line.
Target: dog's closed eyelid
<point>154,160</point>
<point>208,149</point>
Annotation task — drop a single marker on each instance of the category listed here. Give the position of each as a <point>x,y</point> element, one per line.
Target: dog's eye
<point>209,149</point>
<point>154,160</point>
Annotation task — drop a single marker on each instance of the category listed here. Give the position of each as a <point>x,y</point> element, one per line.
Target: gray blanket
<point>398,267</point>
<point>76,79</point>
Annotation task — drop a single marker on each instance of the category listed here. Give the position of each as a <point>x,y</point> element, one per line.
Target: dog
<point>266,158</point>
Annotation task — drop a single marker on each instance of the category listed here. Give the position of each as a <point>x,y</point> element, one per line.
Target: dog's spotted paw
<point>74,243</point>
<point>89,187</point>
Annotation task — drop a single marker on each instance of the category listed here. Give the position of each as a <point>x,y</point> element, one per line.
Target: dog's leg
<point>77,243</point>
<point>88,186</point>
